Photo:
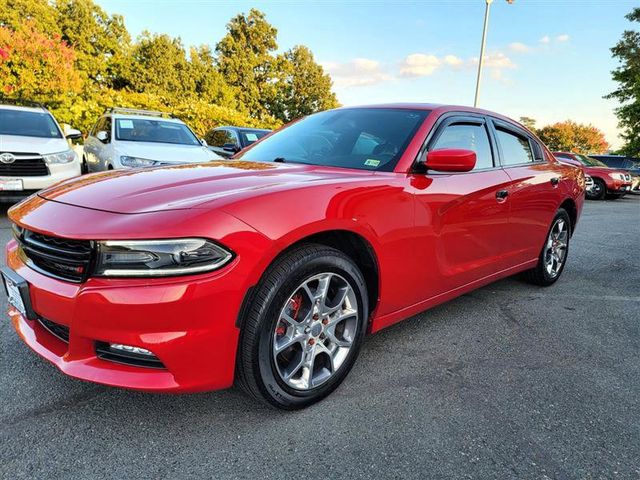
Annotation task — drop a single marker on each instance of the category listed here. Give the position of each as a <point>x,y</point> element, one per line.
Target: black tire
<point>598,191</point>
<point>256,372</point>
<point>539,275</point>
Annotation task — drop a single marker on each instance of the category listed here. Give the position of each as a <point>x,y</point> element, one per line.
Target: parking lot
<point>510,381</point>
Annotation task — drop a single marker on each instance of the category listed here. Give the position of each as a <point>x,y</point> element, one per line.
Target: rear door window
<point>516,149</point>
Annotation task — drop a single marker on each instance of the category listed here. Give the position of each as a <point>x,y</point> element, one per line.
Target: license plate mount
<point>11,184</point>
<point>17,290</point>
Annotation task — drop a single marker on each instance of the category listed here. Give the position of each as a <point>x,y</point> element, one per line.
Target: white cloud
<point>453,61</point>
<point>518,47</point>
<point>545,39</point>
<point>419,65</point>
<point>496,60</point>
<point>563,38</point>
<point>358,72</point>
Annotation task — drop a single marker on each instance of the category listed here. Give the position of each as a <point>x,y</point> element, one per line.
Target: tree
<point>302,88</point>
<point>35,66</point>
<point>528,122</point>
<point>245,60</point>
<point>101,41</point>
<point>627,50</point>
<point>573,137</point>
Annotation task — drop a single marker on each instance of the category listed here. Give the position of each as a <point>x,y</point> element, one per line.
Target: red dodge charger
<point>269,269</point>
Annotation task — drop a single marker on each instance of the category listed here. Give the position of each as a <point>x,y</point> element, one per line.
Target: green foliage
<point>78,60</point>
<point>245,60</point>
<point>303,87</point>
<point>627,50</point>
<point>573,137</point>
<point>528,122</point>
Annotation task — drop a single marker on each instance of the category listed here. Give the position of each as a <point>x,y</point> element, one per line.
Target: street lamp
<point>484,42</point>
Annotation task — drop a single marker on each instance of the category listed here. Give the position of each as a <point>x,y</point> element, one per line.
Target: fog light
<point>130,349</point>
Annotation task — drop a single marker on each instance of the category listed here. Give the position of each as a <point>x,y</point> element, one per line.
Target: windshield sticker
<point>370,162</point>
<point>252,137</point>
<point>126,123</point>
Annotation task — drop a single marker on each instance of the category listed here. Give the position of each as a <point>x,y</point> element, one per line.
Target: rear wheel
<point>303,327</point>
<point>553,256</point>
<point>598,191</point>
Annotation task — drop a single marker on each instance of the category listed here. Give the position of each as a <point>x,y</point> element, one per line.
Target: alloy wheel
<point>556,247</point>
<point>315,331</point>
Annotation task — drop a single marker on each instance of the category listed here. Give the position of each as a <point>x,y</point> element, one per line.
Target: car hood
<point>188,186</point>
<point>602,170</point>
<point>42,146</point>
<point>167,153</point>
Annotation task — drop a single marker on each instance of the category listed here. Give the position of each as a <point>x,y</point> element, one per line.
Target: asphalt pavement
<point>510,381</point>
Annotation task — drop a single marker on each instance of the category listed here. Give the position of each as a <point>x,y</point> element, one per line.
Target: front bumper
<point>188,324</point>
<point>30,185</point>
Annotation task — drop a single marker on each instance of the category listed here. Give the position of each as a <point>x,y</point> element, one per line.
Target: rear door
<point>534,193</point>
<point>463,215</point>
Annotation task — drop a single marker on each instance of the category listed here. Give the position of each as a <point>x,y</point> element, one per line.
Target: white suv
<point>34,150</point>
<point>130,138</point>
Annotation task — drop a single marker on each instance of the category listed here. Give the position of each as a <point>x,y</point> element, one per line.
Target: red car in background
<point>270,268</point>
<point>607,181</point>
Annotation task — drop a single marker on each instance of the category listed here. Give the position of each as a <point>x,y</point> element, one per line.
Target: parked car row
<point>607,182</point>
<point>35,151</point>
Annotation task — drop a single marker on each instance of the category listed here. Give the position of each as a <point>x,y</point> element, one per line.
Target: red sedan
<point>607,181</point>
<point>269,269</point>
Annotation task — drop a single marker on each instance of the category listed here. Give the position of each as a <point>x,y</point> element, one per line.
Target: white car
<point>34,151</point>
<point>129,138</point>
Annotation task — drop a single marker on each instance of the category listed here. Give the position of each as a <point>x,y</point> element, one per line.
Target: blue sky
<point>546,59</point>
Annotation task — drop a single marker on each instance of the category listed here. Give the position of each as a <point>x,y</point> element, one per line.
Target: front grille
<point>55,329</point>
<point>105,352</point>
<point>25,165</point>
<point>54,256</point>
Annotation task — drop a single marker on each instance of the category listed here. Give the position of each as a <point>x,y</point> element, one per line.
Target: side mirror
<point>204,142</point>
<point>73,134</point>
<point>231,147</point>
<point>451,160</point>
<point>102,136</point>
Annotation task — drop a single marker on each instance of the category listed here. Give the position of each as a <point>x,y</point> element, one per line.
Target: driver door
<point>463,217</point>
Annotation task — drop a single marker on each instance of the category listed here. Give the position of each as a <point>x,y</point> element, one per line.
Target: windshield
<point>28,124</point>
<point>591,162</point>
<point>362,138</point>
<point>154,131</point>
<point>251,136</point>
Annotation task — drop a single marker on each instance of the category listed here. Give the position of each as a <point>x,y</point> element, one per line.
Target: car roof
<point>24,109</point>
<point>438,108</point>
<point>248,129</point>
<point>143,117</point>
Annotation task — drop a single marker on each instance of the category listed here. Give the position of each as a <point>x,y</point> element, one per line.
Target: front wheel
<point>598,191</point>
<point>553,256</point>
<point>303,327</point>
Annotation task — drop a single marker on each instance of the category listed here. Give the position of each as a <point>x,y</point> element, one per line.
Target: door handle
<point>555,181</point>
<point>502,195</point>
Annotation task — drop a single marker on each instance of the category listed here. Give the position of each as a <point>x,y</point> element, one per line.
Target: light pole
<point>482,46</point>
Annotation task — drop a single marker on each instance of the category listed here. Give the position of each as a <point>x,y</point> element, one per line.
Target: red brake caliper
<point>295,304</point>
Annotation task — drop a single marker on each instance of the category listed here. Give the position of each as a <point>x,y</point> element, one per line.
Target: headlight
<point>67,156</point>
<point>159,258</point>
<point>135,162</point>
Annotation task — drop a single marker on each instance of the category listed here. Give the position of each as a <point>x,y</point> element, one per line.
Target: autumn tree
<point>573,137</point>
<point>36,66</point>
<point>627,75</point>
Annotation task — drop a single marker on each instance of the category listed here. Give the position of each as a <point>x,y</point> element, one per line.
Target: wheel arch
<point>569,205</point>
<point>349,242</point>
